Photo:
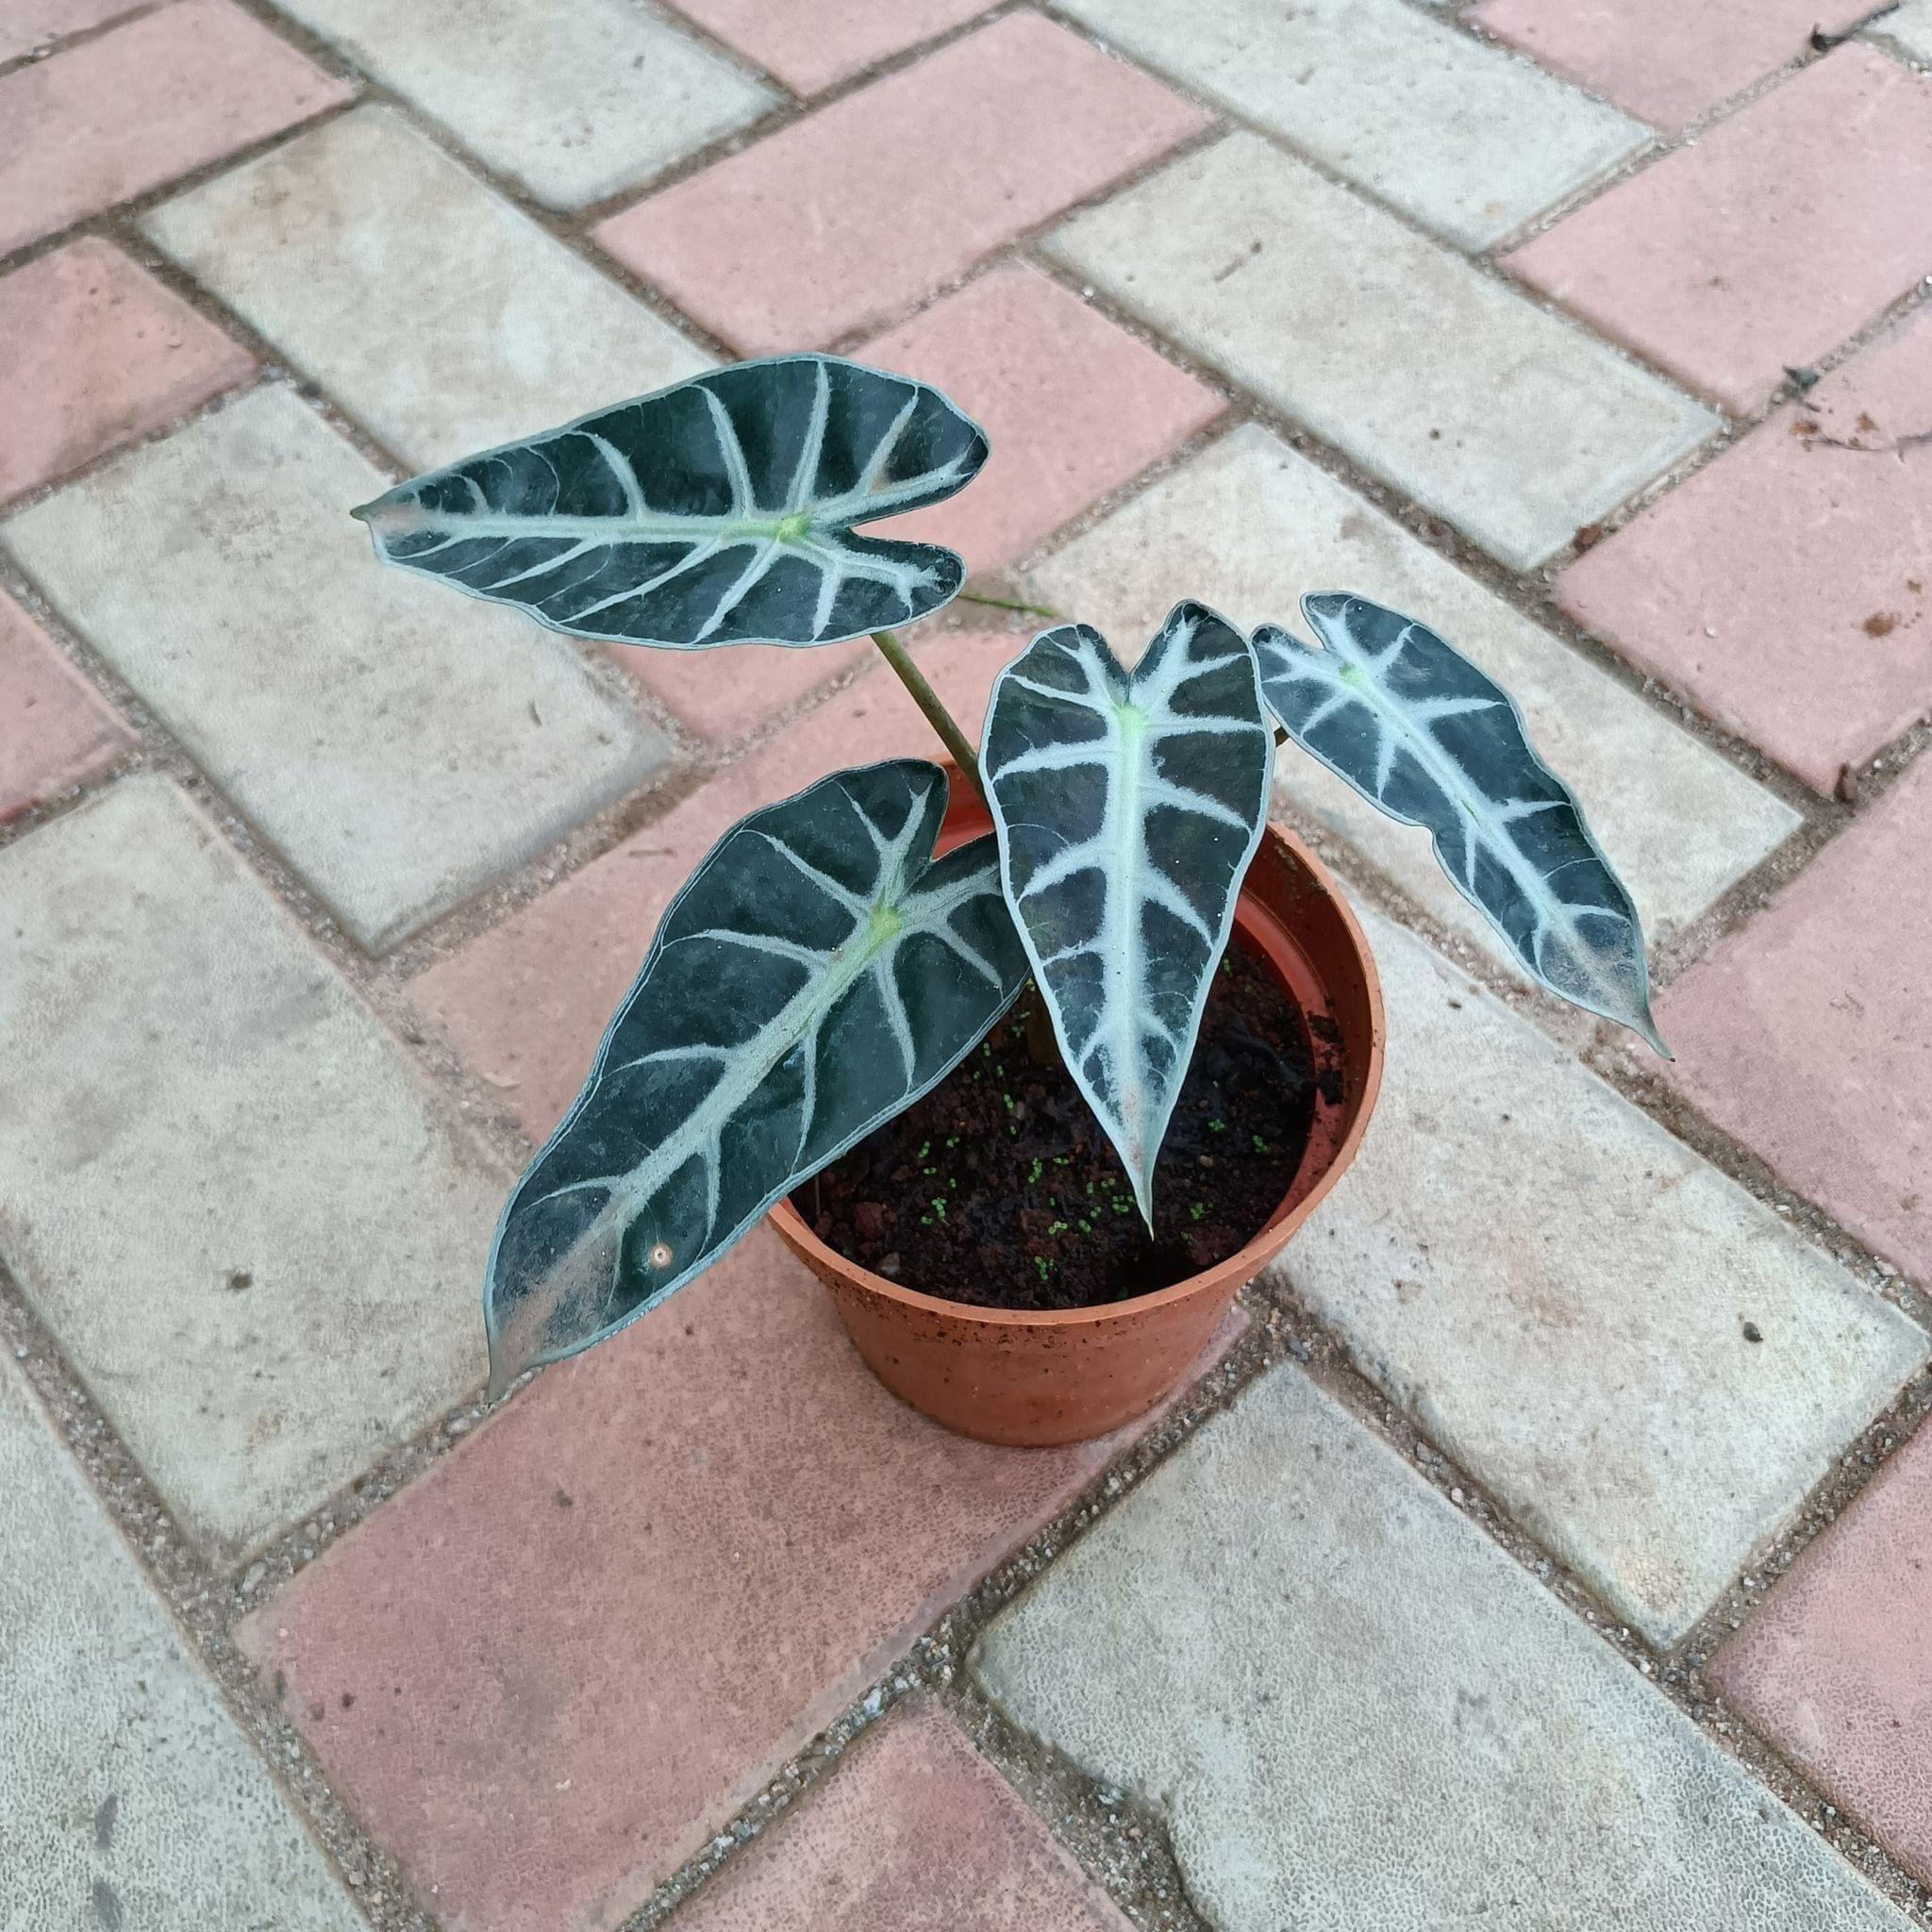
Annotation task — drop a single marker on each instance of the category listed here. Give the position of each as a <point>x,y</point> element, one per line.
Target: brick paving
<point>56,730</point>
<point>1490,1516</point>
<point>1810,541</point>
<point>1835,1670</point>
<point>1762,247</point>
<point>1668,65</point>
<point>99,353</point>
<point>1397,350</point>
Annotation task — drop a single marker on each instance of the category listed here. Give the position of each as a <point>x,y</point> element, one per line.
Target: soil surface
<point>1000,1189</point>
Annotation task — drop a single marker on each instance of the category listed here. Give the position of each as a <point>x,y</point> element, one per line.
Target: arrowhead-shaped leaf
<point>1412,724</point>
<point>1127,808</point>
<point>818,972</point>
<point>718,511</point>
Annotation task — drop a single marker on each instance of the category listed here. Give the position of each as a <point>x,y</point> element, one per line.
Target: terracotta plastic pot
<point>1009,1375</point>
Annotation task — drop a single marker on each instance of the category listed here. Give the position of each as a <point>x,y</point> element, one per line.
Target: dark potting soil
<point>1000,1189</point>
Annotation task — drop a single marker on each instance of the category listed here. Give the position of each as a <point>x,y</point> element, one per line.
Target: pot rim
<point>1245,1262</point>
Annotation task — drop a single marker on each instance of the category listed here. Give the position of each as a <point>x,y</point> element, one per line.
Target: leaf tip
<point>505,1365</point>
<point>387,516</point>
<point>514,1333</point>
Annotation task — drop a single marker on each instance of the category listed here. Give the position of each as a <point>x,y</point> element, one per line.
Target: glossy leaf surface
<point>1127,807</point>
<point>818,972</point>
<point>718,511</point>
<point>1413,725</point>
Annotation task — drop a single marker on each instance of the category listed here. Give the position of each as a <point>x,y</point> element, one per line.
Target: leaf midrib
<point>1130,858</point>
<point>834,515</point>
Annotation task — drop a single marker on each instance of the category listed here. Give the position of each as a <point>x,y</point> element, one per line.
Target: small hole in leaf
<point>659,1256</point>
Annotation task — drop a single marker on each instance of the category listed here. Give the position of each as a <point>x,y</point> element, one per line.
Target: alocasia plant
<point>820,971</point>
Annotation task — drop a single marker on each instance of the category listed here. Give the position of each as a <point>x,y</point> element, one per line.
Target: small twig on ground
<point>1823,42</point>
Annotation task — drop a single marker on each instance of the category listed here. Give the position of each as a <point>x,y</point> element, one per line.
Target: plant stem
<point>928,699</point>
<point>1042,1044</point>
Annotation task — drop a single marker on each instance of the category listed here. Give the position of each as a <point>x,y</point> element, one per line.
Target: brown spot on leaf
<point>1880,623</point>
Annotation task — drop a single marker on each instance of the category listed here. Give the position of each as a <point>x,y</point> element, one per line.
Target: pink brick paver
<point>866,206</point>
<point>810,43</point>
<point>113,117</point>
<point>1781,233</point>
<point>1787,588</point>
<point>914,1833</point>
<point>1835,1668</point>
<point>547,1673</point>
<point>1073,405</point>
<point>54,731</point>
<point>526,1003</point>
<point>1807,1033</point>
<point>26,25</point>
<point>95,353</point>
<point>728,694</point>
<point>1665,63</point>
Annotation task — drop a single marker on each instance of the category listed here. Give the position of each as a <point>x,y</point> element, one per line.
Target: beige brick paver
<point>227,1194</point>
<point>1508,421</point>
<point>1912,28</point>
<point>1557,1291</point>
<point>1359,1714</point>
<point>575,102</point>
<point>1471,141</point>
<point>436,314</point>
<point>401,747</point>
<point>128,1796</point>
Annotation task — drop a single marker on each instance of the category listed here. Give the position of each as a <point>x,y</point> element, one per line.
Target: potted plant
<point>982,1050</point>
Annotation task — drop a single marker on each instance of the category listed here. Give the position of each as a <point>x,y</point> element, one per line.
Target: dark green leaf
<point>718,511</point>
<point>817,974</point>
<point>1127,808</point>
<point>1413,725</point>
